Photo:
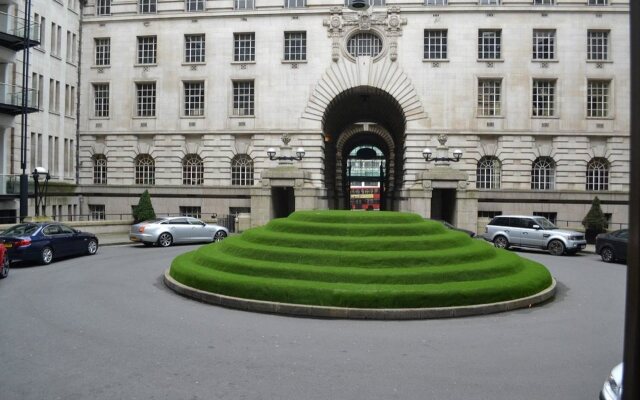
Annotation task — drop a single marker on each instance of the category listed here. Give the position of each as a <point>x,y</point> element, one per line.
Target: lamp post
<point>441,153</point>
<point>40,195</point>
<point>24,178</point>
<point>286,158</point>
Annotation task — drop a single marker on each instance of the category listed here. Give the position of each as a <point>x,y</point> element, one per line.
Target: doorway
<point>443,205</point>
<point>283,201</point>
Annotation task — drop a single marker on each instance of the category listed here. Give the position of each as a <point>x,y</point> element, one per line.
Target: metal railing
<point>577,225</point>
<point>9,184</point>
<point>12,94</point>
<point>15,26</point>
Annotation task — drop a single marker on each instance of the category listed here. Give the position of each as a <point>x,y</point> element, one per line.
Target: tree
<point>144,210</point>
<point>594,222</point>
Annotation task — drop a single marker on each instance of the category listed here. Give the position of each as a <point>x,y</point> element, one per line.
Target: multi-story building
<point>187,98</point>
<point>50,140</point>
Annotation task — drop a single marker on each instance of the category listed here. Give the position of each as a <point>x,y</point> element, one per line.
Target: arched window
<point>242,170</point>
<point>192,170</point>
<point>598,174</point>
<point>364,44</point>
<point>543,174</point>
<point>99,169</point>
<point>145,170</point>
<point>488,173</point>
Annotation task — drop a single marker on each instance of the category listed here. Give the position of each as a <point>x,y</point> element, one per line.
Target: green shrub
<point>594,222</point>
<point>144,210</point>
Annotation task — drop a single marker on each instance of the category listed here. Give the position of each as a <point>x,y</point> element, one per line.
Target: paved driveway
<point>105,327</point>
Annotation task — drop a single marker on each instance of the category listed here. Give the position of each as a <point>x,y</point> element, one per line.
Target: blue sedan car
<point>43,241</point>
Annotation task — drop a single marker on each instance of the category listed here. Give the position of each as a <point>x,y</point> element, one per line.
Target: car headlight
<point>574,237</point>
<point>615,388</point>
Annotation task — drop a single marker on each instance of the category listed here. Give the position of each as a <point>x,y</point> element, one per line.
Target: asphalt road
<point>105,327</point>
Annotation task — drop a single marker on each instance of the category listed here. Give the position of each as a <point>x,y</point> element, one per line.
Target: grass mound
<point>361,260</point>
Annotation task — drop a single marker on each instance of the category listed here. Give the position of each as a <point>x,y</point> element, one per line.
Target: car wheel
<point>165,239</point>
<point>46,255</point>
<point>4,272</point>
<point>92,247</point>
<point>501,242</point>
<point>219,236</point>
<point>556,248</point>
<point>607,254</point>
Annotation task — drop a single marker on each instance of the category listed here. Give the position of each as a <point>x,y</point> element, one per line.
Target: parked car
<point>468,232</point>
<point>166,231</point>
<point>612,246</point>
<point>534,232</point>
<point>612,388</point>
<point>4,262</point>
<point>43,241</point>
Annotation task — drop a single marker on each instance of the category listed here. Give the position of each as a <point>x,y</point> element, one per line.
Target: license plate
<point>582,246</point>
<point>135,239</point>
<point>8,245</point>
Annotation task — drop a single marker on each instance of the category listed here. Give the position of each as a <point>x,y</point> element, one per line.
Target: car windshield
<point>545,223</point>
<point>22,229</point>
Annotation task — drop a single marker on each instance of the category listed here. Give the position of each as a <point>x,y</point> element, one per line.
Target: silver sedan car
<point>166,231</point>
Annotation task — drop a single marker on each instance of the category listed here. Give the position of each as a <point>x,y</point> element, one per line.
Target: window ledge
<point>139,117</point>
<point>600,118</point>
<point>490,60</point>
<point>40,49</point>
<point>540,61</point>
<point>538,117</point>
<point>242,62</point>
<point>193,64</point>
<point>490,116</point>
<point>242,116</point>
<point>193,116</point>
<point>435,60</point>
<point>100,66</point>
<point>599,61</point>
<point>145,65</point>
<point>98,118</point>
<point>294,61</point>
<point>57,57</point>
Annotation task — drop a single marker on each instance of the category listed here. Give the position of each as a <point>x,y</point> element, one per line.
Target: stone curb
<point>355,313</point>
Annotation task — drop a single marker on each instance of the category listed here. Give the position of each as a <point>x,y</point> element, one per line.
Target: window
<point>103,51</point>
<point>543,2</point>
<point>489,2</point>
<point>597,99</point>
<point>243,96</point>
<point>99,169</point>
<point>489,214</point>
<point>551,216</point>
<point>295,46</point>
<point>194,48</point>
<point>544,44</point>
<point>488,173</point>
<point>244,47</point>
<point>295,3</point>
<point>146,99</point>
<point>101,100</point>
<point>193,99</point>
<point>147,49</point>
<point>97,212</point>
<point>194,5</point>
<point>103,7</point>
<point>489,97</point>
<point>598,174</point>
<point>364,44</point>
<point>145,170</point>
<point>435,2</point>
<point>489,44</point>
<point>243,4</point>
<point>543,98</point>
<point>147,6</point>
<point>598,2</point>
<point>242,170</point>
<point>598,45</point>
<point>435,44</point>
<point>192,170</point>
<point>543,174</point>
<point>190,211</point>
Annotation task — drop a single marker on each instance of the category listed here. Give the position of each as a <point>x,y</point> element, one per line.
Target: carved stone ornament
<point>285,139</point>
<point>442,139</point>
<point>390,22</point>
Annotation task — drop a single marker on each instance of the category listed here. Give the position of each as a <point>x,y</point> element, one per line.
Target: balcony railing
<point>11,99</point>
<point>12,32</point>
<point>9,184</point>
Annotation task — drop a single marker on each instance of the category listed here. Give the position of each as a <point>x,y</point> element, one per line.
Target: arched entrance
<point>363,117</point>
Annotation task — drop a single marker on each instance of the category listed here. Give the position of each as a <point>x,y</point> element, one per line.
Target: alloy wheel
<point>607,255</point>
<point>165,240</point>
<point>556,248</point>
<point>219,236</point>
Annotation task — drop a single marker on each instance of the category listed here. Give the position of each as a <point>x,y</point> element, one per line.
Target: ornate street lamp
<point>441,152</point>
<point>40,194</point>
<point>271,152</point>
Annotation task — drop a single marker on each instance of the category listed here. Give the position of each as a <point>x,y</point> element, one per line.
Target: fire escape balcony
<point>12,32</point>
<point>11,99</point>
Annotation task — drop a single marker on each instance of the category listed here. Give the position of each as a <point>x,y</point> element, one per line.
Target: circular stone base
<point>302,310</point>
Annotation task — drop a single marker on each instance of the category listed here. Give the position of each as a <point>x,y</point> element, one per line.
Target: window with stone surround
<point>364,44</point>
<point>147,49</point>
<point>551,216</point>
<point>543,174</point>
<point>97,212</point>
<point>543,2</point>
<point>295,3</point>
<point>244,49</point>
<point>103,51</point>
<point>435,44</point>
<point>192,170</point>
<point>194,5</point>
<point>544,44</point>
<point>145,170</point>
<point>597,45</point>
<point>194,48</point>
<point>147,6</point>
<point>146,99</point>
<point>242,170</point>
<point>194,99</point>
<point>488,173</point>
<point>489,2</point>
<point>543,98</point>
<point>489,97</point>
<point>99,169</point>
<point>191,211</point>
<point>295,46</point>
<point>598,174</point>
<point>103,7</point>
<point>243,4</point>
<point>598,2</point>
<point>598,98</point>
<point>489,44</point>
<point>101,100</point>
<point>243,98</point>
<point>435,2</point>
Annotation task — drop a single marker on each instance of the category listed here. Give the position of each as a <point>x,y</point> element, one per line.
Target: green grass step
<point>418,227</point>
<point>350,217</point>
